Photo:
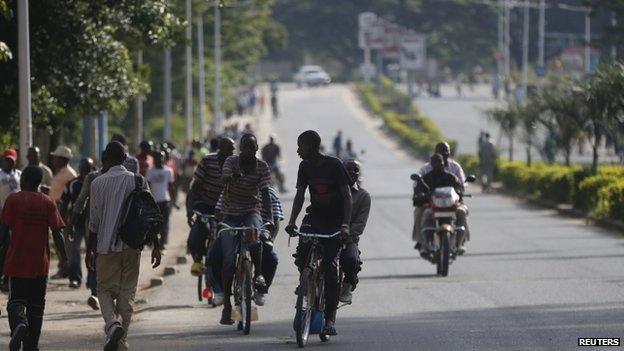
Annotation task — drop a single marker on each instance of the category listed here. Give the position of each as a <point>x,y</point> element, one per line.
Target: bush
<point>549,182</point>
<point>611,201</point>
<point>588,190</point>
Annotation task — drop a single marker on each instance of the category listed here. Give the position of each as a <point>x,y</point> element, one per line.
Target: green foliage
<point>470,163</point>
<point>401,118</point>
<point>611,200</point>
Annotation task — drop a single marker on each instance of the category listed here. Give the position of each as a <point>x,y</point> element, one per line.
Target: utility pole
<point>217,60</point>
<point>167,94</point>
<point>587,42</point>
<point>501,41</point>
<point>138,107</point>
<point>613,47</point>
<point>25,110</point>
<point>188,105</point>
<point>542,30</point>
<point>202,75</point>
<point>525,52</point>
<point>507,20</point>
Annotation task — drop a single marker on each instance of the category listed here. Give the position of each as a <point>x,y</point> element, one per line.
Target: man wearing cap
<point>34,159</point>
<point>9,175</point>
<point>63,172</point>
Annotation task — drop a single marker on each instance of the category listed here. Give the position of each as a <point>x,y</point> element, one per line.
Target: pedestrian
<point>146,161</point>
<point>9,175</point>
<point>348,153</point>
<point>487,159</point>
<point>29,214</point>
<point>34,159</point>
<point>131,163</point>
<point>161,178</point>
<point>75,236</point>
<point>337,145</point>
<point>117,263</point>
<point>63,172</point>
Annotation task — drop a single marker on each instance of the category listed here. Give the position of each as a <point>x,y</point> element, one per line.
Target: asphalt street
<point>531,280</point>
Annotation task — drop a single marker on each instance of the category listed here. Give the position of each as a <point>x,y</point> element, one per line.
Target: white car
<point>311,75</point>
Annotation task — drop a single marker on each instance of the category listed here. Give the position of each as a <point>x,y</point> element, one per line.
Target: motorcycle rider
<point>453,167</point>
<point>203,195</point>
<point>350,262</point>
<point>330,211</point>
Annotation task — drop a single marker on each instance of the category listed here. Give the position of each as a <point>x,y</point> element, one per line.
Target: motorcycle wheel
<point>444,254</point>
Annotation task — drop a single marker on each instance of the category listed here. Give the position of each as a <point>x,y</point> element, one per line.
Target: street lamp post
<point>525,52</point>
<point>201,74</point>
<point>542,30</point>
<point>25,110</point>
<point>189,77</point>
<point>217,58</point>
<point>167,94</point>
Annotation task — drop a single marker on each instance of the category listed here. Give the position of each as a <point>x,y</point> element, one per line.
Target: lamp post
<point>25,110</point>
<point>188,105</point>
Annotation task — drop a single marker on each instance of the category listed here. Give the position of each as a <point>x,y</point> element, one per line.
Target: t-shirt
<point>270,153</point>
<point>324,182</point>
<point>29,215</point>
<point>242,195</point>
<point>159,179</point>
<point>9,184</point>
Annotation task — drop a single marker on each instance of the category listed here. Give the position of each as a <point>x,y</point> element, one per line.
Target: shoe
<point>115,333</point>
<point>123,345</point>
<point>461,250</point>
<point>59,275</point>
<point>18,335</point>
<point>226,315</point>
<point>259,282</point>
<point>218,299</point>
<point>259,299</point>
<point>328,329</point>
<point>417,247</point>
<point>345,293</point>
<point>93,302</point>
<point>197,269</point>
<point>74,284</point>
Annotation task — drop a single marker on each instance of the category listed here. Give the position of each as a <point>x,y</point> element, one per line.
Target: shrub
<point>588,190</point>
<point>610,202</point>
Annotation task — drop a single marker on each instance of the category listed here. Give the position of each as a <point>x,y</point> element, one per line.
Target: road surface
<point>530,281</point>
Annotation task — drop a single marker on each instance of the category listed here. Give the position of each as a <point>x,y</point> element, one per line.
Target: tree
<point>507,119</point>
<point>529,115</point>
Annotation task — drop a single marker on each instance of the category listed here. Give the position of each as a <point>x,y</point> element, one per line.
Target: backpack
<point>143,220</point>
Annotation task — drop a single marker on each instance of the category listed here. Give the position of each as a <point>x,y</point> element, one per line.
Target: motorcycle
<point>443,240</point>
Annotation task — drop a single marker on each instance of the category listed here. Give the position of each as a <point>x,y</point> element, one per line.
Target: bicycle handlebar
<point>316,235</point>
<point>227,228</point>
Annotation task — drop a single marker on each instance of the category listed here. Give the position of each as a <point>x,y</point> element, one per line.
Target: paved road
<point>531,280</point>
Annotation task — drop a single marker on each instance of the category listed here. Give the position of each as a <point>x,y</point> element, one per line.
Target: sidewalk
<point>67,312</point>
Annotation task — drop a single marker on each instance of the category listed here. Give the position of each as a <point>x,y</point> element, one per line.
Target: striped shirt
<point>208,179</point>
<point>242,195</point>
<point>276,207</point>
<point>109,192</point>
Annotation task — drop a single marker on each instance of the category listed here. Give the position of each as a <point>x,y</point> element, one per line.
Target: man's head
<point>271,139</point>
<point>32,155</point>
<point>248,145</point>
<point>353,170</point>
<point>114,155</point>
<point>146,146</point>
<point>437,162</point>
<point>120,138</point>
<point>31,178</point>
<point>444,149</point>
<point>309,143</point>
<point>86,166</point>
<point>9,159</point>
<point>226,146</point>
<point>214,144</point>
<point>159,158</point>
<point>487,135</point>
<point>349,144</point>
<point>61,158</point>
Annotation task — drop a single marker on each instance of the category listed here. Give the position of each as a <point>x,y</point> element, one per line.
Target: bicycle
<point>242,285</point>
<point>310,305</point>
<point>210,222</point>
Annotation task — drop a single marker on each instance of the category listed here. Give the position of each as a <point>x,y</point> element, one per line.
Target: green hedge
<point>401,117</point>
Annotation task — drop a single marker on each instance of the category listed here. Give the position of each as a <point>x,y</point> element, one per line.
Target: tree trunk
<point>595,158</point>
<point>511,146</point>
<point>568,152</point>
<point>528,152</point>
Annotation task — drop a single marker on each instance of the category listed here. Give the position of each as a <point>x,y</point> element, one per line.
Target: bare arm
<point>297,205</point>
<point>59,242</point>
<point>266,203</point>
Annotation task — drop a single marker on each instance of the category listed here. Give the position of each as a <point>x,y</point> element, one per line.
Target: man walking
<point>160,178</point>
<point>9,175</point>
<point>29,215</point>
<point>63,172</point>
<point>34,159</point>
<point>117,263</point>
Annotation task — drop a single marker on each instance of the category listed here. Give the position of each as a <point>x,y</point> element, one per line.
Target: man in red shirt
<point>29,214</point>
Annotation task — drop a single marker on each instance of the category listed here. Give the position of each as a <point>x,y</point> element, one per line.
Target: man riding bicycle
<point>245,178</point>
<point>203,195</point>
<point>454,168</point>
<point>350,262</point>
<point>271,153</point>
<point>329,212</point>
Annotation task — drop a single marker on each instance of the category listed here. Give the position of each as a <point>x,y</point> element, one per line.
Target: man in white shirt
<point>9,175</point>
<point>161,181</point>
<point>63,172</point>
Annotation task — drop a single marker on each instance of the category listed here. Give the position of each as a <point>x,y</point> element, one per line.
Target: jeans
<point>26,305</point>
<point>223,252</point>
<point>75,263</point>
<point>196,242</point>
<point>165,210</point>
<point>350,263</point>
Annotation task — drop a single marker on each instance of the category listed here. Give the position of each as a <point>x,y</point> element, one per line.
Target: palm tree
<point>507,120</point>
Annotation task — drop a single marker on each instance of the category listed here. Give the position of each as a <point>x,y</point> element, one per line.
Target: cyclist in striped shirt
<point>246,177</point>
<point>204,192</point>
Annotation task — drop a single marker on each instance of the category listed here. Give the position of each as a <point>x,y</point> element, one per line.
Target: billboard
<point>412,53</point>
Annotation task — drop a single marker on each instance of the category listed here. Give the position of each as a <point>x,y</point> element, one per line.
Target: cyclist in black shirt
<point>329,212</point>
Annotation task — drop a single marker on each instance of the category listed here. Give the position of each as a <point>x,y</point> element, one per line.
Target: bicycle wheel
<point>303,315</point>
<point>321,303</point>
<point>199,288</point>
<point>246,291</point>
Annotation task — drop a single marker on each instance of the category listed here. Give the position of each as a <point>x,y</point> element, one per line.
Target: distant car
<point>311,76</point>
